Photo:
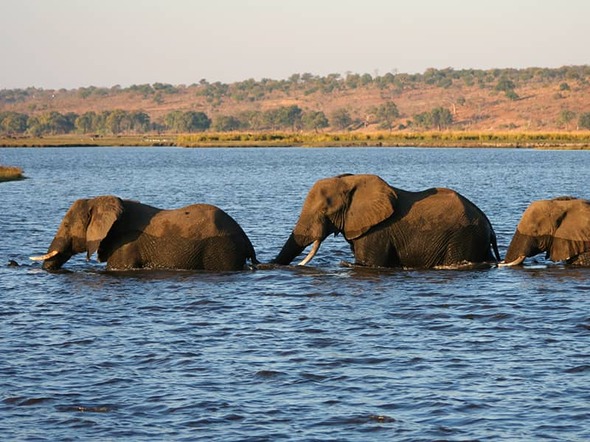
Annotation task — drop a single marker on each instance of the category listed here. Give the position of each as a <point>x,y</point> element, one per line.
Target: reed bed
<point>562,140</point>
<point>10,173</point>
<point>395,139</point>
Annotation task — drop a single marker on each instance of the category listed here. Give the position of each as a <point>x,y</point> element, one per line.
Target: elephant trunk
<point>290,250</point>
<point>59,252</point>
<point>521,247</point>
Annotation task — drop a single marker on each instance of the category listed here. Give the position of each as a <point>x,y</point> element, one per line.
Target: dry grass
<point>10,173</point>
<point>577,140</point>
<point>563,140</point>
<point>75,140</point>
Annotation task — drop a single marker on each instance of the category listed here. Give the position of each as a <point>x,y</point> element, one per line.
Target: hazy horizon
<point>74,44</point>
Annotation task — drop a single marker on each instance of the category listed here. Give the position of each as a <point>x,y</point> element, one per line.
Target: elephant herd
<point>384,226</point>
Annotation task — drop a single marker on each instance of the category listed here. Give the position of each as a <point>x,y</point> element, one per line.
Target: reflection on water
<point>288,353</point>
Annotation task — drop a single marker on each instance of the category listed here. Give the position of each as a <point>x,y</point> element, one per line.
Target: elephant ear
<point>371,201</point>
<point>572,236</point>
<point>104,211</point>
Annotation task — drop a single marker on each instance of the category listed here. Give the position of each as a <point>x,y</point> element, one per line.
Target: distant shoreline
<point>554,140</point>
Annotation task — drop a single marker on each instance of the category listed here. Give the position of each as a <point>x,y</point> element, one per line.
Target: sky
<point>54,44</point>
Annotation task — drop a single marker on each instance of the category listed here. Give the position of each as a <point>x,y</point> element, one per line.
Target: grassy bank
<point>88,140</point>
<point>564,140</point>
<point>577,140</point>
<point>9,173</point>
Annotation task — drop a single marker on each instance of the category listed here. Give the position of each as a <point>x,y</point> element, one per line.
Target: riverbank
<point>561,140</point>
<point>10,173</point>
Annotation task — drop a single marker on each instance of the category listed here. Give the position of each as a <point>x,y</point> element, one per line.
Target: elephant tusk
<point>44,257</point>
<point>312,252</point>
<point>514,263</point>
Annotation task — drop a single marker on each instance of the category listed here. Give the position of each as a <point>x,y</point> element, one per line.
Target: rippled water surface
<point>325,352</point>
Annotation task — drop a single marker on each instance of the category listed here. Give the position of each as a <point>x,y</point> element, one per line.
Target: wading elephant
<point>130,235</point>
<point>560,227</point>
<point>390,227</point>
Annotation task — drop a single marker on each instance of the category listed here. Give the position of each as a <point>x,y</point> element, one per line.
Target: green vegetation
<point>507,86</point>
<point>251,90</point>
<point>439,100</point>
<point>438,118</point>
<point>9,173</point>
<point>386,114</point>
<point>341,119</point>
<point>123,122</point>
<point>178,121</point>
<point>584,121</point>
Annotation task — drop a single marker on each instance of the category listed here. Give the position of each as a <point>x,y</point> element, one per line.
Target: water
<point>319,353</point>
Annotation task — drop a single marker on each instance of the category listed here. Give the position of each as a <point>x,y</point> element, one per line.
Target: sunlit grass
<point>427,139</point>
<point>563,140</point>
<point>75,140</point>
<point>10,173</point>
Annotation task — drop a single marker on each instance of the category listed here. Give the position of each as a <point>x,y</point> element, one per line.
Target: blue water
<point>325,352</point>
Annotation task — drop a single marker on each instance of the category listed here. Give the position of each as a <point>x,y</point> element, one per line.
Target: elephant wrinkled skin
<point>390,227</point>
<point>130,235</point>
<point>560,227</point>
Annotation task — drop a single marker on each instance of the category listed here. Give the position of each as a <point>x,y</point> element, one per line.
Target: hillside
<point>534,99</point>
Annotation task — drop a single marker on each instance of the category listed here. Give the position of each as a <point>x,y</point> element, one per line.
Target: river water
<point>325,352</point>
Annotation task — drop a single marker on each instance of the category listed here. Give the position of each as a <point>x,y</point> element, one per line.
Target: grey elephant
<point>559,227</point>
<point>390,227</point>
<point>130,235</point>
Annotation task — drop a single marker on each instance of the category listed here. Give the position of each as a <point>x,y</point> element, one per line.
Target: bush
<point>584,121</point>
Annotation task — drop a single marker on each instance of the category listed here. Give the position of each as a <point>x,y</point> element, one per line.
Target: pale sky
<point>56,44</point>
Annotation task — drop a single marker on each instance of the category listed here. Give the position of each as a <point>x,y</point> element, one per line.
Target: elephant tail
<point>494,244</point>
<point>252,253</point>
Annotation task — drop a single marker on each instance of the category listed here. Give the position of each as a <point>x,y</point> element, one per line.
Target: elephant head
<point>560,227</point>
<point>82,229</point>
<point>348,204</point>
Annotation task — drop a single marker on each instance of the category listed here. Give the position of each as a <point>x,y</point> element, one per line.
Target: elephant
<point>130,235</point>
<point>560,227</point>
<point>390,227</point>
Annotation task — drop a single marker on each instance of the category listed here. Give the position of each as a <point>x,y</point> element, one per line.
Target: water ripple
<point>324,352</point>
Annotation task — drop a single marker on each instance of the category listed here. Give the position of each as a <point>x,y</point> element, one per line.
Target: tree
<point>114,121</point>
<point>423,119</point>
<point>226,123</point>
<point>438,118</point>
<point>441,117</point>
<point>253,120</point>
<point>13,122</point>
<point>190,121</point>
<point>196,121</point>
<point>140,121</point>
<point>291,116</point>
<point>314,120</point>
<point>386,114</point>
<point>283,117</point>
<point>87,123</point>
<point>52,123</point>
<point>565,117</point>
<point>507,86</point>
<point>341,119</point>
<point>584,121</point>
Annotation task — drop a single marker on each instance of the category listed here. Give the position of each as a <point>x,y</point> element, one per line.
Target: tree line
<point>255,90</point>
<point>283,118</point>
<point>118,121</point>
